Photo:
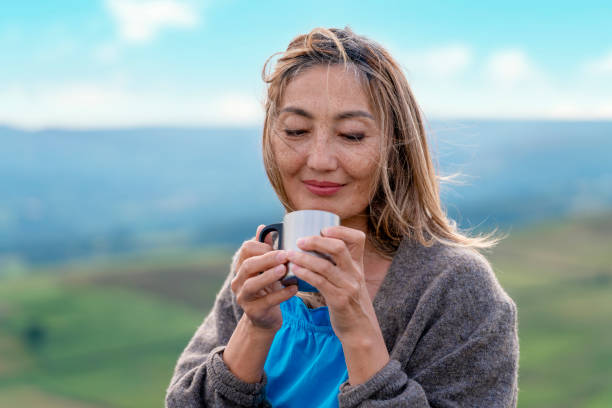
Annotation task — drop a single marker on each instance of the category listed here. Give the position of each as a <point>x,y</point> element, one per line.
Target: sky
<point>118,63</point>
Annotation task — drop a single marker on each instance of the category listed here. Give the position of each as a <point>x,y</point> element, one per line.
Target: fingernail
<point>301,241</point>
<point>279,269</point>
<point>281,256</point>
<point>324,231</point>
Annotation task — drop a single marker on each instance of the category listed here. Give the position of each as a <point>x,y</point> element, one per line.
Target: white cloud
<point>507,83</point>
<point>579,109</point>
<point>240,107</point>
<point>112,104</point>
<point>510,66</point>
<point>503,84</point>
<point>602,65</point>
<point>440,62</point>
<point>139,21</point>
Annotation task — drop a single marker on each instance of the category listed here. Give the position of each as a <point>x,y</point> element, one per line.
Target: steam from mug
<point>296,225</point>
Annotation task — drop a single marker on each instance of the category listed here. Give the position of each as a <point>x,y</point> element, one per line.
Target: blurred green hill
<point>107,333</point>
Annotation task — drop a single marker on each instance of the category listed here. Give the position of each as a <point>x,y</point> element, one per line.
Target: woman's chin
<point>318,206</point>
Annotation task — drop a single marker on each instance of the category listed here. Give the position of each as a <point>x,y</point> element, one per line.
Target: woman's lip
<point>323,191</point>
<point>322,183</point>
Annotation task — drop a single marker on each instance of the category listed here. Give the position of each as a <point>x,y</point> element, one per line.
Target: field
<point>560,276</point>
<point>107,333</point>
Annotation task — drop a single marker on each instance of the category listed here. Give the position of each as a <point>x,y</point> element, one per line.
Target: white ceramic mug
<point>295,225</point>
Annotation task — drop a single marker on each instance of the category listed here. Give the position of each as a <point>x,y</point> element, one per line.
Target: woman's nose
<point>321,156</point>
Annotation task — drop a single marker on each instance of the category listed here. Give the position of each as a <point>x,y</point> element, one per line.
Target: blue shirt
<point>305,365</point>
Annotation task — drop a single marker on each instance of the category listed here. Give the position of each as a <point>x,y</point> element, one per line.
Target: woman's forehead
<point>325,88</point>
<point>332,95</point>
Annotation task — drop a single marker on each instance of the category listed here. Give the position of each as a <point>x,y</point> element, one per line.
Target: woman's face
<point>326,142</point>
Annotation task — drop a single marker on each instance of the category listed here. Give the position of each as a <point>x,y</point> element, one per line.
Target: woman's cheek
<point>284,154</point>
<point>360,165</point>
<point>291,159</point>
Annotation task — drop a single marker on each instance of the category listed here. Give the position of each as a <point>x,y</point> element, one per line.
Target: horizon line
<point>218,126</point>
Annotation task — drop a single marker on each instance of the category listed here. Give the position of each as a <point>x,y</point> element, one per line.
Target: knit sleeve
<point>201,378</point>
<point>459,349</point>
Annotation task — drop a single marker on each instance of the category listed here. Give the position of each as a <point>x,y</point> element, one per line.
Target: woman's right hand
<point>257,283</point>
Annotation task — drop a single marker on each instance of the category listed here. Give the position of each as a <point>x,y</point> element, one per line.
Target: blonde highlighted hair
<point>405,201</point>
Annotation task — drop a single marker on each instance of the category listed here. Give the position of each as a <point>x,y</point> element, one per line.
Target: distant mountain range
<point>68,193</point>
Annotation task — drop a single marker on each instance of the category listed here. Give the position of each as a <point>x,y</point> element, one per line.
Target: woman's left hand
<point>342,285</point>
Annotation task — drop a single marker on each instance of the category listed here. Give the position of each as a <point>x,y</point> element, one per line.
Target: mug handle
<point>288,279</point>
<point>268,229</point>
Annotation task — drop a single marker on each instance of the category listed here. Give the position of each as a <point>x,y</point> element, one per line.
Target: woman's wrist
<point>247,350</point>
<point>258,331</point>
<point>365,354</point>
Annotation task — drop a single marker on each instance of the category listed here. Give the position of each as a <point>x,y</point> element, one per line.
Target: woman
<point>408,314</point>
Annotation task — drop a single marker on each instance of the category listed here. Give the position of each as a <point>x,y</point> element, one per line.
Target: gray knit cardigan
<point>449,327</point>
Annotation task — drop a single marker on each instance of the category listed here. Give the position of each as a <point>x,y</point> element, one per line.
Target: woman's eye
<point>295,132</point>
<point>353,137</point>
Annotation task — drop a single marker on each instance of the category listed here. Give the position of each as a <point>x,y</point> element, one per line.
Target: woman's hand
<point>256,284</point>
<point>343,284</point>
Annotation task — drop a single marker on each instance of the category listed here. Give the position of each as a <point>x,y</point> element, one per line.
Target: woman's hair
<point>404,200</point>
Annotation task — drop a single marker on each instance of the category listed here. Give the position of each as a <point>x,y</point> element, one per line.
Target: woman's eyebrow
<point>297,111</point>
<point>353,114</point>
<point>340,116</point>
